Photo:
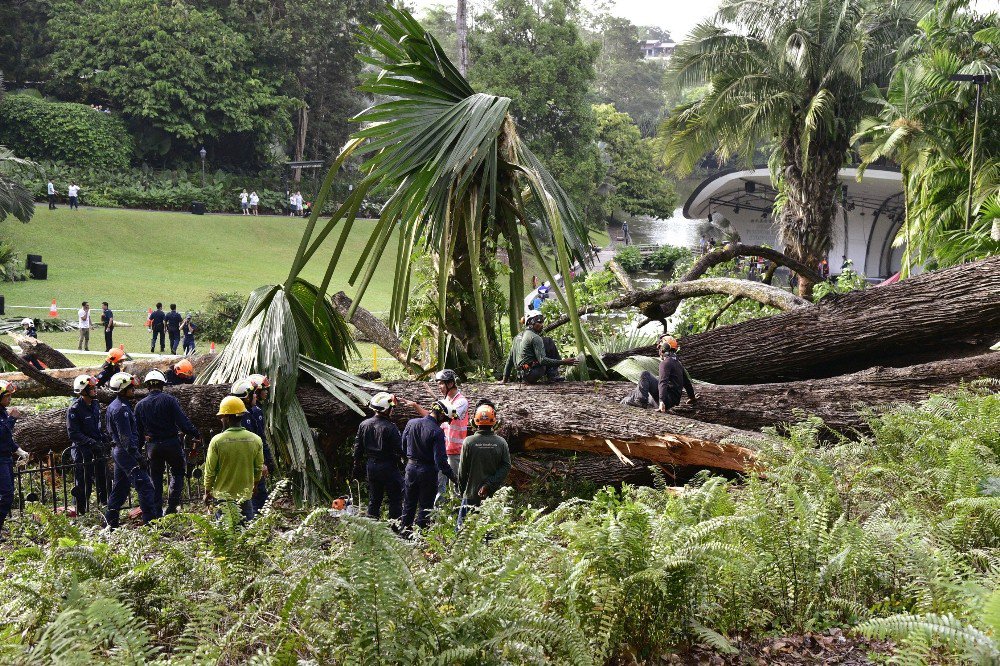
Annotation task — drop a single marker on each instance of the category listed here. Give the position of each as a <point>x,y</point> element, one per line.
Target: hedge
<point>64,131</point>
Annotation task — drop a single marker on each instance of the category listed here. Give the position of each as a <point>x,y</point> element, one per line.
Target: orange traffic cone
<point>211,348</point>
<point>149,320</point>
<point>53,312</point>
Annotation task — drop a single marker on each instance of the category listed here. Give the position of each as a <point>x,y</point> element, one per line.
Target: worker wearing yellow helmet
<point>234,463</point>
<point>663,393</point>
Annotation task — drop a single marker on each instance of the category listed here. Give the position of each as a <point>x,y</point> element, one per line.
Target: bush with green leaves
<point>847,281</point>
<point>629,258</point>
<point>217,321</point>
<point>64,131</point>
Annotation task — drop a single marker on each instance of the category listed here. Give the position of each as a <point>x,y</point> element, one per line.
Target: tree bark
<point>52,358</point>
<point>462,33</point>
<point>949,313</point>
<point>376,331</point>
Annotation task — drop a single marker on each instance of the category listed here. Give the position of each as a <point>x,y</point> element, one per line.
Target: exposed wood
<point>927,317</point>
<point>51,385</point>
<point>52,358</point>
<point>621,275</point>
<point>376,331</point>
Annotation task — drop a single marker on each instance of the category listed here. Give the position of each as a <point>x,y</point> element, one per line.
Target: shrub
<point>629,258</point>
<point>74,133</point>
<point>665,259</point>
<point>218,320</point>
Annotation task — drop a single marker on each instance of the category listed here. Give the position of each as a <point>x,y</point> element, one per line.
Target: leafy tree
<point>788,76</point>
<point>179,73</point>
<point>15,198</point>
<point>439,20</point>
<point>23,45</point>
<point>637,186</point>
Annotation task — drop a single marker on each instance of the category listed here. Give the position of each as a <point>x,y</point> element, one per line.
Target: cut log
<point>376,331</point>
<point>52,358</point>
<point>944,314</point>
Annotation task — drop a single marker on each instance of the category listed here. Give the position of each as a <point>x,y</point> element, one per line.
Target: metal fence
<point>53,481</point>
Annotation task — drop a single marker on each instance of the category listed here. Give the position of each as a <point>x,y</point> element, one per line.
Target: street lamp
<point>979,80</point>
<point>203,153</point>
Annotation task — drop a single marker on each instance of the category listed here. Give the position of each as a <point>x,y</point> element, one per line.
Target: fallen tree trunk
<point>376,331</point>
<point>927,317</point>
<point>52,358</point>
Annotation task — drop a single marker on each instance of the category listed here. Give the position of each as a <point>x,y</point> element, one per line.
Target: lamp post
<point>979,80</point>
<point>203,153</point>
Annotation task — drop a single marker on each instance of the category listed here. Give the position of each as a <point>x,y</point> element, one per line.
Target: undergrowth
<point>895,533</point>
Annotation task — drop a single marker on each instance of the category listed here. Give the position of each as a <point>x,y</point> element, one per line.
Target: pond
<point>675,230</point>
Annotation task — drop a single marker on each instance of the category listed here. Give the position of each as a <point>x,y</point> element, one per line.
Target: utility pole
<point>979,80</point>
<point>462,30</point>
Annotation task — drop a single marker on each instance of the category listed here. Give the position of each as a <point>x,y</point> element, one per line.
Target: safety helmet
<point>259,381</point>
<point>339,504</point>
<point>485,416</point>
<point>667,343</point>
<point>531,315</point>
<point>6,387</point>
<point>115,356</point>
<point>242,388</point>
<point>82,382</point>
<point>231,406</point>
<point>183,368</point>
<point>446,376</point>
<point>27,321</point>
<point>121,381</point>
<point>154,376</point>
<point>382,402</point>
<point>442,406</point>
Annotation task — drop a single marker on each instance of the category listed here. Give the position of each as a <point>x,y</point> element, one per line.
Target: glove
<point>22,456</point>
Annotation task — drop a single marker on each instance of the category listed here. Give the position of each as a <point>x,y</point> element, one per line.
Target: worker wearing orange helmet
<point>663,393</point>
<point>112,366</point>
<point>181,372</point>
<point>485,461</point>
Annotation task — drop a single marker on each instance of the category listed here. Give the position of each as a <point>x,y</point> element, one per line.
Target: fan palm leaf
<point>15,198</point>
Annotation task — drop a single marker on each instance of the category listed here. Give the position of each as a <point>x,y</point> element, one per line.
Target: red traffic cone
<point>149,320</point>
<point>211,349</point>
<point>53,312</point>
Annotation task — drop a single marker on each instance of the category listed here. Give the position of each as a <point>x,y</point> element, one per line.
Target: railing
<point>52,482</point>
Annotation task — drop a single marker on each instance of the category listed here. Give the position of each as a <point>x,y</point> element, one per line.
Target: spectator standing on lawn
<point>245,202</point>
<point>188,328</point>
<point>156,324</point>
<point>51,191</point>
<point>298,204</point>
<point>291,204</point>
<point>83,319</point>
<point>108,322</point>
<point>254,202</point>
<point>174,320</point>
<point>74,194</point>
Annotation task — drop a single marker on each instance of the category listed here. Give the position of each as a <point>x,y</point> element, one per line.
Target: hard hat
<point>27,321</point>
<point>446,376</point>
<point>242,388</point>
<point>6,387</point>
<point>115,356</point>
<point>339,504</point>
<point>383,401</point>
<point>485,416</point>
<point>231,406</point>
<point>259,381</point>
<point>82,382</point>
<point>443,406</point>
<point>531,315</point>
<point>667,343</point>
<point>121,381</point>
<point>183,368</point>
<point>154,376</point>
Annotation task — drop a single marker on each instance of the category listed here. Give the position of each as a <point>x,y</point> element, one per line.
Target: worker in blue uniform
<point>89,444</point>
<point>126,451</point>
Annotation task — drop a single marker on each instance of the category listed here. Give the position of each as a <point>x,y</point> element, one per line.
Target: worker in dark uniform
<point>664,393</point>
<point>112,366</point>
<point>423,441</point>
<point>485,461</point>
<point>528,360</point>
<point>181,372</point>
<point>173,321</point>
<point>8,449</point>
<point>28,325</point>
<point>89,443</point>
<point>159,418</point>
<point>126,452</point>
<point>379,441</point>
<point>156,325</point>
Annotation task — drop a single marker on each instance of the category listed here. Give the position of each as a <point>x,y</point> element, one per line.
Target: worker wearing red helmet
<point>663,393</point>
<point>485,461</point>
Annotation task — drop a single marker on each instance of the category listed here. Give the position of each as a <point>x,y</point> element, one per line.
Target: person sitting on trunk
<point>485,461</point>
<point>529,359</point>
<point>112,366</point>
<point>665,393</point>
<point>181,372</point>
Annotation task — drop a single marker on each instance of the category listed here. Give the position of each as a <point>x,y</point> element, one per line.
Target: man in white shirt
<point>83,314</point>
<point>245,202</point>
<point>52,196</point>
<point>74,193</point>
<point>254,200</point>
<point>291,204</point>
<point>298,204</point>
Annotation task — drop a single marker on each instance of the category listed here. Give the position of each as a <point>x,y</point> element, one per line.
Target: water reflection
<point>675,230</point>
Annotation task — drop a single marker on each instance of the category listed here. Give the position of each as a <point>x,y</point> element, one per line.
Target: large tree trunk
<point>462,33</point>
<point>52,358</point>
<point>944,314</point>
<point>376,331</point>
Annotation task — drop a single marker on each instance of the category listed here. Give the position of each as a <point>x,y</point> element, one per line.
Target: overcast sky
<point>676,16</point>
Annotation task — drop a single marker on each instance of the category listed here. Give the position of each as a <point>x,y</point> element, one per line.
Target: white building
<point>657,49</point>
<point>873,207</point>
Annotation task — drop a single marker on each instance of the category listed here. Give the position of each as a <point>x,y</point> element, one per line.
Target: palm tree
<point>462,182</point>
<point>786,76</point>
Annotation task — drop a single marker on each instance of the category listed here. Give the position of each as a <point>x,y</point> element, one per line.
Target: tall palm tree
<point>461,179</point>
<point>786,76</point>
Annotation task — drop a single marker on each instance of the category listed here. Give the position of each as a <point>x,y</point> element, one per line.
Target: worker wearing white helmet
<point>533,358</point>
<point>126,452</point>
<point>28,325</point>
<point>8,449</point>
<point>160,420</point>
<point>378,454</point>
<point>89,444</point>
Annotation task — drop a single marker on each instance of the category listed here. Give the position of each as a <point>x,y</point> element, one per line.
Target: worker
<point>89,444</point>
<point>234,463</point>
<point>112,366</point>
<point>126,452</point>
<point>379,441</point>
<point>108,322</point>
<point>455,430</point>
<point>28,324</point>
<point>187,330</point>
<point>485,461</point>
<point>8,449</point>
<point>665,393</point>
<point>528,360</point>
<point>159,418</point>
<point>423,441</point>
<point>173,321</point>
<point>156,325</point>
<point>181,372</point>
<point>262,392</point>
